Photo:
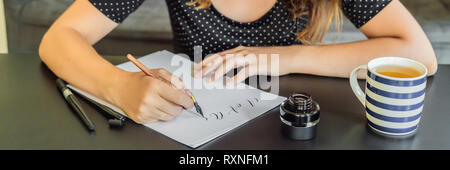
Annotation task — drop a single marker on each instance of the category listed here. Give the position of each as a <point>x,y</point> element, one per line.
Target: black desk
<point>35,116</point>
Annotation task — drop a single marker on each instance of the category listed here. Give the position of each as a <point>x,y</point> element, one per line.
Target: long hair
<point>320,14</point>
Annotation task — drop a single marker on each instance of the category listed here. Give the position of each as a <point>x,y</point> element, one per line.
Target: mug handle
<point>355,86</point>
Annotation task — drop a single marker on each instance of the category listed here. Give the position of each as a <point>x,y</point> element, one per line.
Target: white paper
<point>224,109</point>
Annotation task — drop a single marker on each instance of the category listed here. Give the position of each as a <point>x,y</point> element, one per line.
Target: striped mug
<point>393,105</point>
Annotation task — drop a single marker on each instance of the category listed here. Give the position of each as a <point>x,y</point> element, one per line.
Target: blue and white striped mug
<point>393,105</point>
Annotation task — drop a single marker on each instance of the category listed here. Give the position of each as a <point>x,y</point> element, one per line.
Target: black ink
<point>219,115</point>
<point>251,103</point>
<point>233,109</point>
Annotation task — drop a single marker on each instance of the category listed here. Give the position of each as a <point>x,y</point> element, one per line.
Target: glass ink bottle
<point>299,116</point>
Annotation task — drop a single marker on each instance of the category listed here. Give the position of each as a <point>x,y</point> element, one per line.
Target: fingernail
<point>188,93</point>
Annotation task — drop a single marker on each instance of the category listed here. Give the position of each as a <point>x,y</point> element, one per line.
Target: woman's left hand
<point>274,61</point>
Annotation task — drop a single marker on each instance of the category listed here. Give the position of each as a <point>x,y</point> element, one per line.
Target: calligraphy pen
<point>148,73</point>
<point>74,104</point>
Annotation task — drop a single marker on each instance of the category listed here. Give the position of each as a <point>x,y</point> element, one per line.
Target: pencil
<point>149,73</point>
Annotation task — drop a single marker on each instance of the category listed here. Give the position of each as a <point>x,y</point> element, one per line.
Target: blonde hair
<point>320,14</point>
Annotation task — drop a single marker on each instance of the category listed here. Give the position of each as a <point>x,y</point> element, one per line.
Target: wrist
<point>295,58</point>
<point>292,59</point>
<point>115,82</point>
<point>298,62</point>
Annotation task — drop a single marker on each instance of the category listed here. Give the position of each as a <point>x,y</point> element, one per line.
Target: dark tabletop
<point>34,115</point>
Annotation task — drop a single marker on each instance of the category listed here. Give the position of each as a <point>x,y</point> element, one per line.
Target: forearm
<point>338,60</point>
<point>73,59</point>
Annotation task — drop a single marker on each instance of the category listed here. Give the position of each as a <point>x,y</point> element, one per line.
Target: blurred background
<point>148,29</point>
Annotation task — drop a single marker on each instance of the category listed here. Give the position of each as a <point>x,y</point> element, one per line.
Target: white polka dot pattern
<point>362,11</point>
<point>117,10</point>
<point>215,32</point>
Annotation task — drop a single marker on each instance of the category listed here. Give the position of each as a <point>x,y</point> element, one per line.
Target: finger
<point>243,74</point>
<point>223,53</point>
<point>239,49</point>
<point>210,61</point>
<point>206,62</point>
<point>142,119</point>
<point>172,79</point>
<point>231,51</point>
<point>230,63</point>
<point>211,65</point>
<point>169,107</point>
<point>152,114</point>
<point>161,115</point>
<point>198,66</point>
<point>147,120</point>
<point>176,96</point>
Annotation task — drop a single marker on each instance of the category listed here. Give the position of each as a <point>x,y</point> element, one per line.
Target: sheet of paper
<point>224,109</point>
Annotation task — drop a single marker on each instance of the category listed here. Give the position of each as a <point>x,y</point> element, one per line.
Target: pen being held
<point>177,83</point>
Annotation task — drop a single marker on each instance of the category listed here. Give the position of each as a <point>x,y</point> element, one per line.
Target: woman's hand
<point>274,61</point>
<point>146,99</point>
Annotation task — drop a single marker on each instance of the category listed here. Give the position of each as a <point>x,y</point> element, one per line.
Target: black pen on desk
<point>118,120</point>
<point>75,104</point>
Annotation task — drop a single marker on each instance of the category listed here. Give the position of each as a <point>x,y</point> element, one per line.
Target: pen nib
<point>199,110</point>
<point>197,107</point>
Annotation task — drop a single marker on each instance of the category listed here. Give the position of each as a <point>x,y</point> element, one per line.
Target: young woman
<point>291,28</point>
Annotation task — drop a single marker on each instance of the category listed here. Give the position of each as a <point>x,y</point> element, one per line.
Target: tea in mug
<point>398,71</point>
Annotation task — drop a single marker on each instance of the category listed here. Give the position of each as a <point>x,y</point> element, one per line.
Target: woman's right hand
<point>146,99</point>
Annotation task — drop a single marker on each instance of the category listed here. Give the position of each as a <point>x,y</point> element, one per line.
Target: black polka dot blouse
<point>214,32</point>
